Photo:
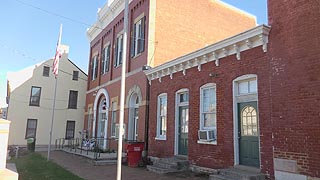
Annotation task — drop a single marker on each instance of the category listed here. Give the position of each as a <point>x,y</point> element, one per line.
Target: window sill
<point>207,142</point>
<point>160,138</point>
<point>137,55</point>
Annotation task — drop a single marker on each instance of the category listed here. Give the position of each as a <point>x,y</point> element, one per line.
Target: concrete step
<point>237,174</point>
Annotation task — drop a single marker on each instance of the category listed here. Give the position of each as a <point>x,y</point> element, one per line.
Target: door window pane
<point>249,121</point>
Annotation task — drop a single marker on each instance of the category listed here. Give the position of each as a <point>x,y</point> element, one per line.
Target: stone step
<point>237,174</point>
<point>164,164</point>
<point>242,174</point>
<point>172,163</point>
<point>220,177</point>
<point>160,170</point>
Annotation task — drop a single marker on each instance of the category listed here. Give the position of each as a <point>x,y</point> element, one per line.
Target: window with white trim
<point>94,68</point>
<point>208,107</point>
<point>118,51</point>
<point>113,118</point>
<point>105,59</point>
<point>247,87</point>
<point>162,116</point>
<point>89,122</point>
<point>137,37</point>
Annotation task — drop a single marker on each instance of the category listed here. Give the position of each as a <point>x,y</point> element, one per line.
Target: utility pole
<point>123,83</point>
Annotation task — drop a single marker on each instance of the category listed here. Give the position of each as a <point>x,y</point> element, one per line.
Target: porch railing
<point>90,147</point>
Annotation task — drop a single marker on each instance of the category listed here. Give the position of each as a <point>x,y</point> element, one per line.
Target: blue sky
<point>28,33</point>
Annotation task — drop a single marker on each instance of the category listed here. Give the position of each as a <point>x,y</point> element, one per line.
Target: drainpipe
<point>146,137</point>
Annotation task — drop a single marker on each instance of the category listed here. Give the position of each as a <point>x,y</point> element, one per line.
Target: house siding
<point>19,110</point>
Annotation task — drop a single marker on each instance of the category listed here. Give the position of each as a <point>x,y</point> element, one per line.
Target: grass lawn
<point>34,166</point>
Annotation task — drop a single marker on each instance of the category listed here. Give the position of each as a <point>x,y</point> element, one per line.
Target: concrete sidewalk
<point>81,167</point>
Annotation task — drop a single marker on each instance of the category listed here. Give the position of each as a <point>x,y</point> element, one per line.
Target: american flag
<point>57,57</point>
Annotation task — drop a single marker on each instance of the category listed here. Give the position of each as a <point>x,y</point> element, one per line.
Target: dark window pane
<point>46,71</point>
<point>73,98</point>
<point>70,129</point>
<point>35,96</point>
<point>75,75</point>
<point>31,128</point>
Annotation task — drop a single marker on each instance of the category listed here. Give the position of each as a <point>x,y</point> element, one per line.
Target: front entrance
<point>183,130</point>
<point>248,134</point>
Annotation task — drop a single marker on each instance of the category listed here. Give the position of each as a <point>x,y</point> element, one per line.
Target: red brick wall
<point>109,34</point>
<point>253,61</point>
<point>295,82</point>
<point>183,27</point>
<point>113,90</point>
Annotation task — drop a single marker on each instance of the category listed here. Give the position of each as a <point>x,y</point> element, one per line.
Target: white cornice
<point>234,45</point>
<point>105,16</point>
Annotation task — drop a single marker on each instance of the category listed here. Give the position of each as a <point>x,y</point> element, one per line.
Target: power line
<point>63,71</point>
<point>56,14</point>
<point>15,51</point>
<point>41,107</point>
<point>70,19</point>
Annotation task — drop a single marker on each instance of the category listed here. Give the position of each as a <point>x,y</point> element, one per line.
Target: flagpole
<point>52,118</point>
<point>123,83</point>
<point>55,70</point>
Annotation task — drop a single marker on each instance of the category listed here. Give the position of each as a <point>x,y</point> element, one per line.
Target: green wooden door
<point>248,134</point>
<point>183,130</point>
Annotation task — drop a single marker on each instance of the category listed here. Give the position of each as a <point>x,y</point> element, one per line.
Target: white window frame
<point>118,59</point>
<point>249,82</point>
<point>138,36</point>
<point>239,98</point>
<point>158,135</point>
<point>94,67</point>
<point>114,105</point>
<point>105,63</point>
<point>90,118</point>
<point>201,117</point>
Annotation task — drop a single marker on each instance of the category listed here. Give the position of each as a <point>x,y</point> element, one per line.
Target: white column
<point>4,135</point>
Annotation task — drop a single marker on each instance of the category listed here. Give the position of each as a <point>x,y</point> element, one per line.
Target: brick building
<point>159,31</point>
<point>252,99</point>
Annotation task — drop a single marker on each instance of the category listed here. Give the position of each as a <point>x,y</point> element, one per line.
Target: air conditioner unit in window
<point>117,131</point>
<point>206,135</point>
